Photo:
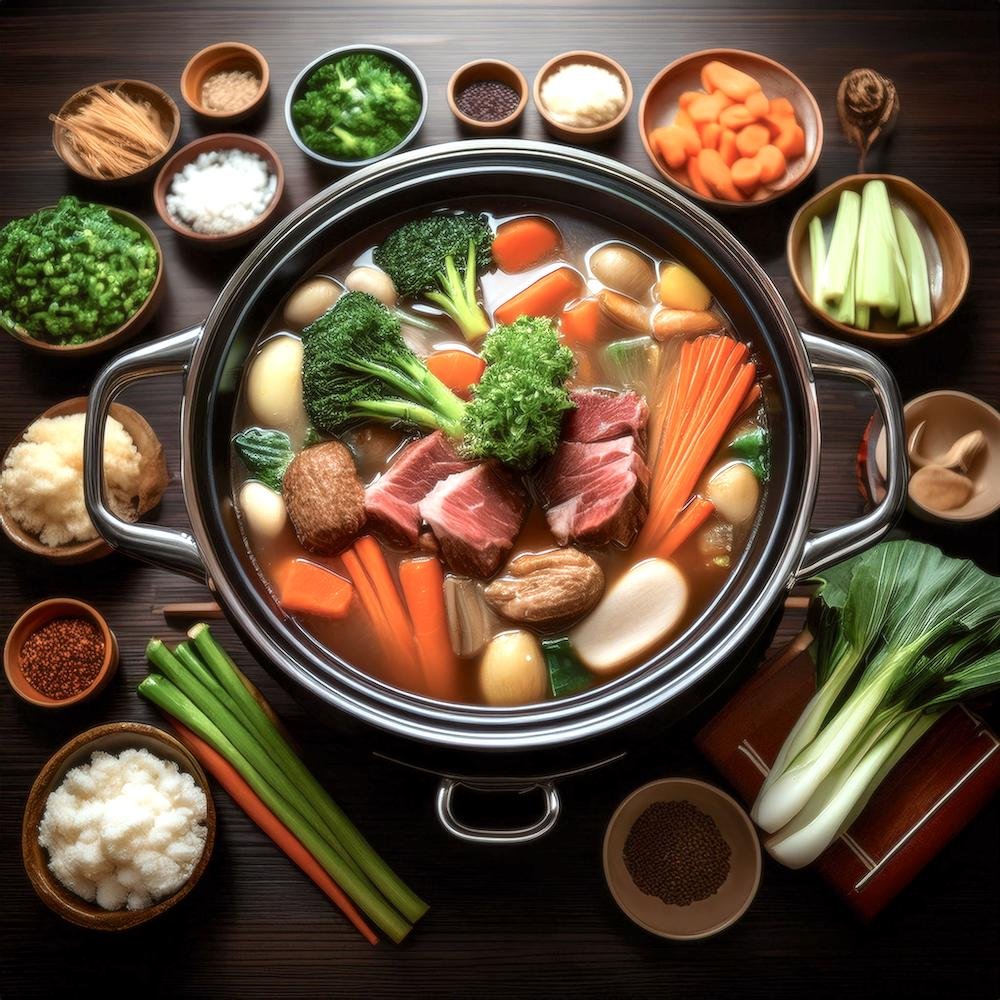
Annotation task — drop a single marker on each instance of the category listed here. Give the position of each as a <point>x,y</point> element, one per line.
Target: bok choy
<point>901,633</point>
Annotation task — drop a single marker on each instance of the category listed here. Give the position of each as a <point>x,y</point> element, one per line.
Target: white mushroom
<point>374,282</point>
<point>512,670</point>
<point>310,300</point>
<point>735,492</point>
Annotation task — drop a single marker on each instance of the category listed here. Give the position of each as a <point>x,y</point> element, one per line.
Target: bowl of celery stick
<point>878,258</point>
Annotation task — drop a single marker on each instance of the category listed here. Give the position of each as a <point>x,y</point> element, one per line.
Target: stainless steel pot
<point>477,745</point>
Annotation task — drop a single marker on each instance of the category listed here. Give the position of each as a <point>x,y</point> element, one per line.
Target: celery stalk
<point>916,265</point>
<point>844,311</point>
<point>836,272</point>
<point>875,285</point>
<point>862,315</point>
<point>817,258</point>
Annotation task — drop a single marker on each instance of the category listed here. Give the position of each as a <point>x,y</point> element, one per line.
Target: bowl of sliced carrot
<point>731,128</point>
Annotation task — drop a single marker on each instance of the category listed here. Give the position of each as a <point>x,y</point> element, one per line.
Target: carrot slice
<point>523,243</point>
<point>710,133</point>
<point>736,117</point>
<point>684,101</point>
<point>580,323</point>
<point>545,297</point>
<point>727,147</point>
<point>772,163</point>
<point>746,174</point>
<point>782,107</point>
<point>683,120</point>
<point>707,108</point>
<point>791,140</point>
<point>459,370</point>
<point>697,181</point>
<point>675,144</point>
<point>752,139</point>
<point>688,522</point>
<point>734,83</point>
<point>757,104</point>
<point>716,174</point>
<point>422,582</point>
<point>310,589</point>
<point>247,799</point>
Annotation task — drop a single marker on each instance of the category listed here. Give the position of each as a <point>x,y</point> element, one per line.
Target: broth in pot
<point>498,453</point>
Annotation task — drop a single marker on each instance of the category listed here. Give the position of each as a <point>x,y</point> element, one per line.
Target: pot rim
<point>602,709</point>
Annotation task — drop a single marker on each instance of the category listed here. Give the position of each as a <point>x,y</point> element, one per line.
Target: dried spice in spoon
<point>867,105</point>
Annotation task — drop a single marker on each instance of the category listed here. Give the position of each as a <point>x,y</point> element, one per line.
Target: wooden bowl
<point>488,69</point>
<point>219,58</point>
<point>659,105</point>
<point>132,325</point>
<point>163,105</point>
<point>112,738</point>
<point>707,916</point>
<point>944,247</point>
<point>206,144</point>
<point>570,133</point>
<point>154,482</point>
<point>949,415</point>
<point>30,622</point>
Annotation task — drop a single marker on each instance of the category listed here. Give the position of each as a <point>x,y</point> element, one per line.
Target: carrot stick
<point>734,83</point>
<point>697,181</point>
<point>690,520</point>
<point>313,590</point>
<point>245,797</point>
<point>580,323</point>
<point>523,243</point>
<point>401,628</point>
<point>545,297</point>
<point>751,398</point>
<point>422,582</point>
<point>459,370</point>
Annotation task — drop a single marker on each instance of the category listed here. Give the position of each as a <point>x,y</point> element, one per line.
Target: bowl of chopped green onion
<point>356,104</point>
<point>77,277</point>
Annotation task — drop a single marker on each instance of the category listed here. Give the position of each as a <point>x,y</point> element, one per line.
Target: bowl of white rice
<point>220,189</point>
<point>118,827</point>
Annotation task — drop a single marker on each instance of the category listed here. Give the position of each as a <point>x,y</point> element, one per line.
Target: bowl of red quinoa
<point>487,96</point>
<point>60,652</point>
<point>682,859</point>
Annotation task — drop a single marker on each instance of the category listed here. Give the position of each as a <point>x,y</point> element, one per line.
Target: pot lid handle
<point>166,547</point>
<point>827,547</point>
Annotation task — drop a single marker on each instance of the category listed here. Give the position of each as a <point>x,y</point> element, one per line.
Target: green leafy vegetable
<point>356,366</point>
<point>916,265</point>
<point>439,257</point>
<point>567,675</point>
<point>355,107</point>
<point>634,363</point>
<point>902,632</point>
<point>72,273</point>
<point>754,447</point>
<point>266,454</point>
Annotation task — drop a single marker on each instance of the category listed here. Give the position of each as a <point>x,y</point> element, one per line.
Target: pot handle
<point>168,548</point>
<point>835,544</point>
<point>515,835</point>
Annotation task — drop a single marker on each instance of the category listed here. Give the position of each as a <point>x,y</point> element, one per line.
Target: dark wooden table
<point>536,919</point>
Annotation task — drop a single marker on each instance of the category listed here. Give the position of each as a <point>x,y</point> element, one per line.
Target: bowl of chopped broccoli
<point>356,104</point>
<point>77,277</point>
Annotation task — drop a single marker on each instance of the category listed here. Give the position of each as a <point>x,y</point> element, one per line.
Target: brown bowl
<point>206,144</point>
<point>163,105</point>
<point>944,247</point>
<point>154,483</point>
<point>659,104</point>
<point>570,133</point>
<point>112,738</point>
<point>707,916</point>
<point>30,622</point>
<point>488,69</point>
<point>132,325</point>
<point>219,58</point>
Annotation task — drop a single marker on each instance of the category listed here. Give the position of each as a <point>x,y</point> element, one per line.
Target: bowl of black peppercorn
<point>487,96</point>
<point>682,859</point>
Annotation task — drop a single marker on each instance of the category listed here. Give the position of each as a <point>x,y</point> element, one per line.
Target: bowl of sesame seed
<point>60,652</point>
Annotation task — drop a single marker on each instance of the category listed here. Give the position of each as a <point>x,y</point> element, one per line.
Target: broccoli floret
<point>439,258</point>
<point>72,273</point>
<point>356,366</point>
<point>356,107</point>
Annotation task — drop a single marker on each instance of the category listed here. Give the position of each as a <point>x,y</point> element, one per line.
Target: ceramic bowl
<point>112,738</point>
<point>948,415</point>
<point>163,106</point>
<point>30,622</point>
<point>299,85</point>
<point>154,482</point>
<point>571,133</point>
<point>213,143</point>
<point>944,247</point>
<point>708,916</point>
<point>132,325</point>
<point>488,69</point>
<point>659,104</point>
<point>219,58</point>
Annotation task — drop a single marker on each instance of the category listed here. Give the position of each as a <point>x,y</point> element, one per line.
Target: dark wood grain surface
<point>536,919</point>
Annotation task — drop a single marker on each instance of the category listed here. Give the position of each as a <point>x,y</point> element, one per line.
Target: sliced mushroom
<point>547,586</point>
<point>938,488</point>
<point>624,311</point>
<point>471,623</point>
<point>959,456</point>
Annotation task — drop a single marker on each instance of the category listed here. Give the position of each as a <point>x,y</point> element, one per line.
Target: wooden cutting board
<point>931,794</point>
